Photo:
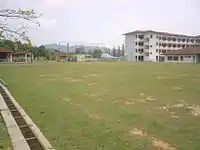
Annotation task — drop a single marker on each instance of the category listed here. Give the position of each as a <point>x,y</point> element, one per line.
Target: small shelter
<point>186,55</point>
<point>62,56</point>
<point>22,56</point>
<point>5,55</point>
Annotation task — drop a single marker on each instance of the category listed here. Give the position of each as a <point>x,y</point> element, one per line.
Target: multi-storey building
<point>151,45</point>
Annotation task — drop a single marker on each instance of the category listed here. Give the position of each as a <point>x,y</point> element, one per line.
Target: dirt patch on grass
<point>74,80</point>
<point>90,75</point>
<point>177,88</point>
<point>161,145</point>
<point>138,132</point>
<point>48,75</point>
<point>150,99</point>
<point>66,99</point>
<point>141,94</point>
<point>158,144</point>
<point>49,79</point>
<point>194,110</point>
<point>129,103</point>
<point>92,84</point>
<point>77,80</point>
<point>94,116</point>
<point>162,77</point>
<point>178,106</point>
<point>91,94</point>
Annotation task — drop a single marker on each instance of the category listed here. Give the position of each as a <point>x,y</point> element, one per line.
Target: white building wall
<point>130,47</point>
<point>186,59</point>
<point>155,49</point>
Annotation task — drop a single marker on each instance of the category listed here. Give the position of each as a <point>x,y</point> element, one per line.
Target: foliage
<point>11,14</point>
<point>97,53</point>
<point>38,52</point>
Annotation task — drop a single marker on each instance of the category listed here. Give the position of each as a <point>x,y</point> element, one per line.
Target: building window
<point>136,35</point>
<point>175,58</point>
<point>181,58</point>
<point>159,37</point>
<point>150,53</point>
<point>156,58</point>
<point>164,38</point>
<point>136,50</point>
<point>151,36</point>
<point>135,43</point>
<point>150,45</point>
<point>169,58</point>
<point>156,43</point>
<point>136,58</point>
<point>156,50</point>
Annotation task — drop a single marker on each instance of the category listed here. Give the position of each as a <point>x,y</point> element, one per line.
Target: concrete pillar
<point>10,57</point>
<point>26,57</point>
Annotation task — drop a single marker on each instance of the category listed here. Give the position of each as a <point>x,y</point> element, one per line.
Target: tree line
<point>38,51</point>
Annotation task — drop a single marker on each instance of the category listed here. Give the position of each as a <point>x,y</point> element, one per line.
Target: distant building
<point>5,55</point>
<point>186,55</point>
<point>22,56</point>
<point>152,45</point>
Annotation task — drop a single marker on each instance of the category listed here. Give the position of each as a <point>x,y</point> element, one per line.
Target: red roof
<point>60,53</point>
<point>161,33</point>
<point>21,52</point>
<point>5,50</point>
<point>185,51</point>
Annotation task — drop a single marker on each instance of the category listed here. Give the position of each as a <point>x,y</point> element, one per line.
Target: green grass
<point>4,138</point>
<point>95,106</point>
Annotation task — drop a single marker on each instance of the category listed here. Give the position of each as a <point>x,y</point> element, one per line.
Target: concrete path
<point>18,140</point>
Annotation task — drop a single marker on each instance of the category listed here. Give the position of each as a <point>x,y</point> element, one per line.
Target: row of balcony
<point>169,38</point>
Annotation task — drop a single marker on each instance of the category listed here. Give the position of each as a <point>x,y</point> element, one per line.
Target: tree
<point>97,53</point>
<point>12,14</point>
<point>122,51</point>
<point>118,52</point>
<point>114,52</point>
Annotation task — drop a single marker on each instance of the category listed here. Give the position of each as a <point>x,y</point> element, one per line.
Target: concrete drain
<point>29,136</point>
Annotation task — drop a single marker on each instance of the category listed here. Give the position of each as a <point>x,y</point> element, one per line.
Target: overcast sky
<point>104,21</point>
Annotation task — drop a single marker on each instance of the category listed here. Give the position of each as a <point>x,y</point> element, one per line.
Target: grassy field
<point>111,106</point>
<point>4,138</point>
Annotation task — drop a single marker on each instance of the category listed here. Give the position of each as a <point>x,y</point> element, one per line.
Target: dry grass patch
<point>66,99</point>
<point>92,84</point>
<point>129,103</point>
<point>177,88</point>
<point>49,79</point>
<point>163,77</point>
<point>194,110</point>
<point>158,144</point>
<point>150,99</point>
<point>90,75</point>
<point>138,132</point>
<point>161,145</point>
<point>95,116</point>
